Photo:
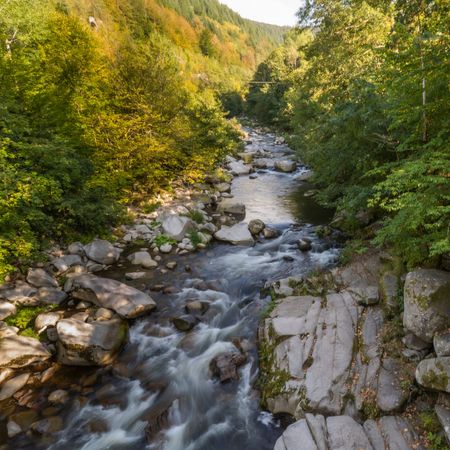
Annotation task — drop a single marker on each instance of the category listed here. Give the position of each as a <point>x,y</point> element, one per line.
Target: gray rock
<point>77,248</point>
<point>232,208</point>
<point>225,365</point>
<point>135,275</point>
<point>256,227</point>
<point>51,296</point>
<point>45,320</point>
<point>390,396</point>
<point>443,415</point>
<point>427,305</point>
<point>7,309</point>
<point>434,374</point>
<point>10,387</point>
<point>223,187</point>
<point>285,165</point>
<point>442,344</point>
<point>142,259</point>
<point>177,227</point>
<point>125,300</point>
<point>20,351</point>
<point>239,168</point>
<point>346,434</point>
<point>237,234</point>
<point>86,344</point>
<point>415,343</point>
<point>21,293</point>
<point>389,286</point>
<point>296,437</point>
<point>305,176</point>
<point>166,248</point>
<point>102,252</point>
<point>365,295</point>
<point>40,278</point>
<point>64,263</point>
<point>104,314</point>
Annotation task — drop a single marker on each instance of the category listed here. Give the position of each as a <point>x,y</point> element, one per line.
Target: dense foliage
<point>102,105</point>
<point>367,105</point>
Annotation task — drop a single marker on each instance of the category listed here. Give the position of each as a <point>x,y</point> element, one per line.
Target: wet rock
<point>47,426</point>
<point>58,397</point>
<point>135,275</point>
<point>256,227</point>
<point>7,309</point>
<point>171,265</point>
<point>45,320</point>
<point>441,344</point>
<point>427,308</point>
<point>13,429</point>
<point>237,234</point>
<point>285,165</point>
<point>51,296</point>
<point>184,323</point>
<point>125,300</point>
<point>304,244</point>
<point>225,365</point>
<point>434,373</point>
<point>102,252</point>
<point>20,351</point>
<point>86,344</point>
<point>10,387</point>
<point>232,208</point>
<point>270,233</point>
<point>177,227</point>
<point>142,259</point>
<point>196,307</point>
<point>40,278</point>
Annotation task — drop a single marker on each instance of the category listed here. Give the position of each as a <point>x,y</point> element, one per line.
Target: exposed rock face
<point>102,252</point>
<point>442,344</point>
<point>20,351</point>
<point>434,374</point>
<point>285,165</point>
<point>232,208</point>
<point>427,305</point>
<point>40,278</point>
<point>86,344</point>
<point>177,227</point>
<point>344,433</point>
<point>125,300</point>
<point>237,234</point>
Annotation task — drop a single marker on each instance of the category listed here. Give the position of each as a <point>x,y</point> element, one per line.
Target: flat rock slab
<point>344,433</point>
<point>238,234</point>
<point>86,344</point>
<point>40,278</point>
<point>125,300</point>
<point>10,387</point>
<point>20,351</point>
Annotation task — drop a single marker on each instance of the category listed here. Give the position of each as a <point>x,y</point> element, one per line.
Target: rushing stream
<point>163,377</point>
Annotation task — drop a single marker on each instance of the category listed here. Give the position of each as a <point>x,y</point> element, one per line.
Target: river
<point>162,377</point>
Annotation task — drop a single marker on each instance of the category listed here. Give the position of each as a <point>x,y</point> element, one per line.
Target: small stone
<point>171,265</point>
<point>13,429</point>
<point>45,320</point>
<point>135,275</point>
<point>225,365</point>
<point>166,248</point>
<point>143,259</point>
<point>48,426</point>
<point>40,278</point>
<point>270,233</point>
<point>104,314</point>
<point>256,226</point>
<point>304,244</point>
<point>77,248</point>
<point>58,397</point>
<point>184,323</point>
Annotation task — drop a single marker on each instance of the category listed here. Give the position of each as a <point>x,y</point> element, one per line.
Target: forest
<point>362,90</point>
<point>103,104</point>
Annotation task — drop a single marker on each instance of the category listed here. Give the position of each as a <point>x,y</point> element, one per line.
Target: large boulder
<point>40,278</point>
<point>177,227</point>
<point>238,234</point>
<point>285,165</point>
<point>232,208</point>
<point>427,304</point>
<point>125,300</point>
<point>20,351</point>
<point>89,344</point>
<point>434,373</point>
<point>102,252</point>
<point>225,365</point>
<point>239,168</point>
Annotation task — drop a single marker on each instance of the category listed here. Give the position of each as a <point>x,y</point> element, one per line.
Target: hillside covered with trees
<point>362,89</point>
<point>104,103</point>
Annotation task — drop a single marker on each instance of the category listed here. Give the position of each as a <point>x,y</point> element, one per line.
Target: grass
<point>148,208</point>
<point>163,239</point>
<point>195,238</point>
<point>197,216</point>
<point>25,317</point>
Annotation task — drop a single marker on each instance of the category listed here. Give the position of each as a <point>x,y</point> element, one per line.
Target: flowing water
<point>161,394</point>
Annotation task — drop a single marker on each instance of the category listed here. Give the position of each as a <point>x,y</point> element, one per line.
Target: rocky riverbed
<point>150,340</point>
